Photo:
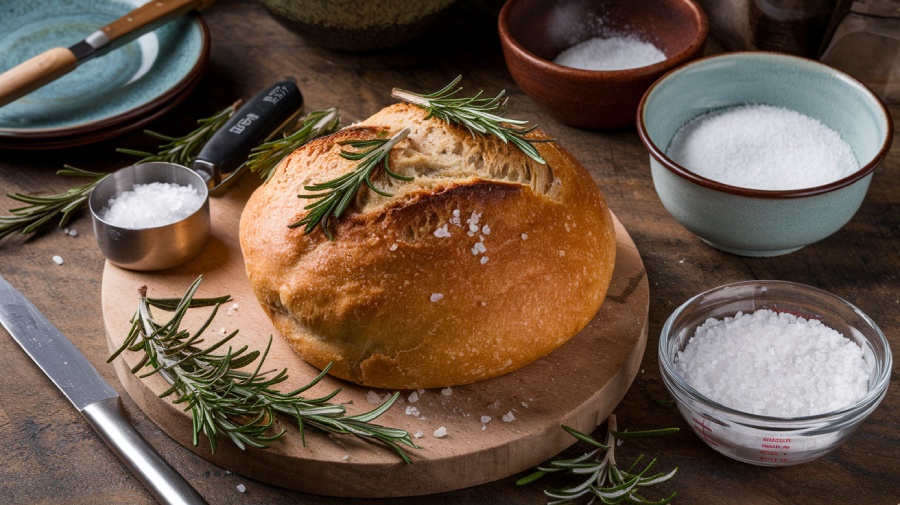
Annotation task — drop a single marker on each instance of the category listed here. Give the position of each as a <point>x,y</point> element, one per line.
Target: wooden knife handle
<point>34,73</point>
<point>152,13</point>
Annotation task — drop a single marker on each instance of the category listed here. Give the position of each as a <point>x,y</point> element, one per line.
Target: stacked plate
<point>104,97</point>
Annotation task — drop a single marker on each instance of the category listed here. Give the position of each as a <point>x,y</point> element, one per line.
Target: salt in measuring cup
<point>169,245</point>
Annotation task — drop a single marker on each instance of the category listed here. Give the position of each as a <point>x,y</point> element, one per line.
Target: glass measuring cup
<point>767,440</point>
<point>169,245</point>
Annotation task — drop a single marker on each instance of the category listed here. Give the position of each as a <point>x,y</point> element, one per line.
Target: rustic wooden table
<point>51,455</point>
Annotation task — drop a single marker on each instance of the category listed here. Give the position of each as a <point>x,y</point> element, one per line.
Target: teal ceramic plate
<point>110,93</point>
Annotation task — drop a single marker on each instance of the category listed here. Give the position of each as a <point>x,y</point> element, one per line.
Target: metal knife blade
<point>97,401</point>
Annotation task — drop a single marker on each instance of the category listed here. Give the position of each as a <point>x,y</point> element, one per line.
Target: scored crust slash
<point>482,262</point>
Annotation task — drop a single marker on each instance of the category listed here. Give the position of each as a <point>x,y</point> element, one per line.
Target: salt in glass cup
<point>768,440</point>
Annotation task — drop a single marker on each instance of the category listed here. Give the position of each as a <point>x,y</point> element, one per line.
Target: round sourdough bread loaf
<point>483,263</point>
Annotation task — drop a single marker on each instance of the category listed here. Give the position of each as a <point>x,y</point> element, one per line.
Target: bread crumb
<point>508,417</point>
<point>57,259</point>
<point>436,297</point>
<point>440,432</point>
<point>447,391</point>
<point>562,253</point>
<point>442,232</point>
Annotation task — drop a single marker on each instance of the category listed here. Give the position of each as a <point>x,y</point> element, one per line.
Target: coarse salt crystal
<point>478,248</point>
<point>440,432</point>
<point>72,233</point>
<point>393,247</point>
<point>345,457</point>
<point>447,391</point>
<point>524,236</point>
<point>508,417</point>
<point>456,220</point>
<point>418,434</point>
<point>774,364</point>
<point>486,230</point>
<point>373,398</point>
<point>442,232</point>
<point>57,259</point>
<point>473,222</point>
<point>232,309</point>
<point>484,259</point>
<point>413,397</point>
<point>151,205</point>
<point>485,419</point>
<point>412,411</point>
<point>241,488</point>
<point>436,297</point>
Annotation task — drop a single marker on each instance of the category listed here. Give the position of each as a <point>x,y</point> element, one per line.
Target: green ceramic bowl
<point>752,222</point>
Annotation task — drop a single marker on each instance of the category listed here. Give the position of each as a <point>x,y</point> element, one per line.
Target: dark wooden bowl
<point>534,32</point>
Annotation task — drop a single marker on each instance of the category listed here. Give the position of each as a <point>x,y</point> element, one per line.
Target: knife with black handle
<point>97,401</point>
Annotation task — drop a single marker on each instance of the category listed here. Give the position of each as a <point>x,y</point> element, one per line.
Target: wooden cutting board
<point>578,385</point>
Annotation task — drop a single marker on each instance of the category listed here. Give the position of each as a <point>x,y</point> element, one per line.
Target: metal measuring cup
<point>170,245</point>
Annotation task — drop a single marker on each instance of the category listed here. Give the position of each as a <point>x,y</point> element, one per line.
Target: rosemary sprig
<point>265,157</point>
<point>223,397</point>
<point>335,195</point>
<point>599,478</point>
<point>41,209</point>
<point>479,115</point>
<point>182,150</point>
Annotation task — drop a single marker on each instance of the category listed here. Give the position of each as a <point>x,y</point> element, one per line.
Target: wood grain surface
<point>51,456</point>
<point>577,385</point>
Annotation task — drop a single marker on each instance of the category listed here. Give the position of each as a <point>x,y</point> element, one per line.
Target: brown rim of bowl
<point>610,75</point>
<point>677,169</point>
<point>132,114</point>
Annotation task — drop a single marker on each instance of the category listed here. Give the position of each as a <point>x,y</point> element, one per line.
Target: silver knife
<point>97,401</point>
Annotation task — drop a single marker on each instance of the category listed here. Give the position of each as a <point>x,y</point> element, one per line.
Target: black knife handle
<point>108,419</point>
<point>252,123</point>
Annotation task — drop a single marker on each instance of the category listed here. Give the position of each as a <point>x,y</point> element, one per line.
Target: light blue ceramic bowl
<point>752,222</point>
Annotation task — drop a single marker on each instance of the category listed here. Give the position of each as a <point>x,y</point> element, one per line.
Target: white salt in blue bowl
<point>769,440</point>
<point>754,222</point>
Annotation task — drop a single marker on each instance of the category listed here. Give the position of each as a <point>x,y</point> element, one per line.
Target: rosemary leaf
<point>264,158</point>
<point>479,115</point>
<point>182,150</point>
<point>596,475</point>
<point>41,209</point>
<point>223,396</point>
<point>334,196</point>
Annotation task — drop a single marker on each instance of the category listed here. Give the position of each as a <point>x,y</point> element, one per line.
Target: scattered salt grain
<point>393,247</point>
<point>762,147</point>
<point>72,233</point>
<point>486,230</point>
<point>440,432</point>
<point>473,222</point>
<point>151,205</point>
<point>508,417</point>
<point>241,488</point>
<point>420,391</point>
<point>232,309</point>
<point>525,405</point>
<point>562,253</point>
<point>485,419</point>
<point>618,442</point>
<point>418,434</point>
<point>345,457</point>
<point>524,236</point>
<point>774,364</point>
<point>617,52</point>
<point>373,398</point>
<point>456,220</point>
<point>478,248</point>
<point>222,331</point>
<point>436,297</point>
<point>442,232</point>
<point>413,397</point>
<point>57,259</point>
<point>412,411</point>
<point>484,259</point>
<point>447,391</point>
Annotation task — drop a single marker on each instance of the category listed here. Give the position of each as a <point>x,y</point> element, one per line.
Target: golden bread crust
<point>482,263</point>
